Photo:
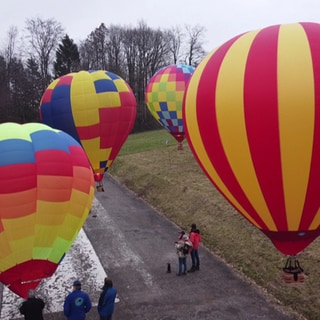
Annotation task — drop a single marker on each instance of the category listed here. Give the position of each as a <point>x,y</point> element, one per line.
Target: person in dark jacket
<point>77,304</point>
<point>107,300</point>
<point>32,308</point>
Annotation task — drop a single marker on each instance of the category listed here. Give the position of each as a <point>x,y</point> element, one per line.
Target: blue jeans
<point>195,258</point>
<point>106,317</point>
<point>182,263</point>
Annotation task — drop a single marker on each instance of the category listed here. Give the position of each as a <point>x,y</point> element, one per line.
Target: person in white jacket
<point>183,247</point>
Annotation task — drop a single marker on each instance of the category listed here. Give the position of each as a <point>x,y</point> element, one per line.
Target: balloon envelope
<point>252,117</point>
<point>46,192</point>
<point>97,108</point>
<point>164,97</point>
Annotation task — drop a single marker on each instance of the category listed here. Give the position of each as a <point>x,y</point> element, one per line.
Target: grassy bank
<point>171,181</point>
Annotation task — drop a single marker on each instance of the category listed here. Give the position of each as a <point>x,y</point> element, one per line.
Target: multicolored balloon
<point>97,108</point>
<point>164,97</point>
<point>252,119</point>
<point>46,192</point>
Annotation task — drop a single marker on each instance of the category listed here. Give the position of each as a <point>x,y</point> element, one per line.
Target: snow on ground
<point>81,262</point>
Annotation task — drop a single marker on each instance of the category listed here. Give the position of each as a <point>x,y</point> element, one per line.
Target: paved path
<point>134,244</point>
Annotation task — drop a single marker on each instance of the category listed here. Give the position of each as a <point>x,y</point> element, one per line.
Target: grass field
<point>171,181</point>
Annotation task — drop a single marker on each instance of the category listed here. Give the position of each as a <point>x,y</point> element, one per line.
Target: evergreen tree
<point>67,57</point>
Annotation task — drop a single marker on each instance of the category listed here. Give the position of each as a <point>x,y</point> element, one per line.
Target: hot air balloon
<point>46,192</point>
<point>252,119</point>
<point>164,96</point>
<point>97,108</point>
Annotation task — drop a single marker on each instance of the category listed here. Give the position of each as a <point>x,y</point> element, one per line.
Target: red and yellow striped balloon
<point>252,119</point>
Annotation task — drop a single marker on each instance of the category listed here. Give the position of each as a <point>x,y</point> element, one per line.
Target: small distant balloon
<point>46,192</point>
<point>97,108</point>
<point>164,96</point>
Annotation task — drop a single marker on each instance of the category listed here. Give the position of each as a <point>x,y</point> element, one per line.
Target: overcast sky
<point>222,19</point>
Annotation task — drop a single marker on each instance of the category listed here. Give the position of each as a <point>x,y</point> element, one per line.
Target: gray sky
<point>222,19</point>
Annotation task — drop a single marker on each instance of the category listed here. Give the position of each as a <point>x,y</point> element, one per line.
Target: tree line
<point>28,64</point>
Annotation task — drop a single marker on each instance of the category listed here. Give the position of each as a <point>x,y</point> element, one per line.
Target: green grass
<point>145,141</point>
<point>171,181</point>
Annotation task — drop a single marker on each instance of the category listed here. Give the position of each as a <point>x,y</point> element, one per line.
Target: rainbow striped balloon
<point>97,108</point>
<point>46,192</point>
<point>164,97</point>
<point>252,119</point>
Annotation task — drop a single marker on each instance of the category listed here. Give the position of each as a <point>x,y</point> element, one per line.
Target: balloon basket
<point>99,187</point>
<point>292,273</point>
<point>180,146</point>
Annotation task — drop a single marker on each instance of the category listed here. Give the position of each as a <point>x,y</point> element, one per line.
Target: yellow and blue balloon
<point>97,108</point>
<point>164,96</point>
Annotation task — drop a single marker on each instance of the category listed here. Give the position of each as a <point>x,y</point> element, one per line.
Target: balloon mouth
<point>27,275</point>
<point>98,177</point>
<point>291,242</point>
<point>178,136</point>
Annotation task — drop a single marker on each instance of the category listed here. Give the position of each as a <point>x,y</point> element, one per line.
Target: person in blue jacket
<point>77,304</point>
<point>107,300</point>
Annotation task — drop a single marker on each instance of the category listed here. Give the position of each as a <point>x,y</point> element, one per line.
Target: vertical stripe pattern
<point>251,115</point>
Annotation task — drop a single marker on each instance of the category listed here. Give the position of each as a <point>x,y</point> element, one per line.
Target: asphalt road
<point>135,244</point>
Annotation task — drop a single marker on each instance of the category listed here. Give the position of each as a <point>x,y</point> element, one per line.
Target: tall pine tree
<point>67,57</point>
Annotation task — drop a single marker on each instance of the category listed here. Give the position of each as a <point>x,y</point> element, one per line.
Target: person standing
<point>107,300</point>
<point>32,308</point>
<point>195,238</point>
<point>183,246</point>
<point>77,304</point>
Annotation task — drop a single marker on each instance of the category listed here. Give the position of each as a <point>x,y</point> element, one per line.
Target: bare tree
<point>6,98</point>
<point>114,50</point>
<point>43,37</point>
<point>146,50</point>
<point>130,53</point>
<point>93,49</point>
<point>175,38</point>
<point>9,51</point>
<point>194,45</point>
<point>86,52</point>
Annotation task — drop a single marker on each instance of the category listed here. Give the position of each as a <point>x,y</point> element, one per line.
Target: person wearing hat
<point>77,303</point>
<point>107,300</point>
<point>195,239</point>
<point>32,308</point>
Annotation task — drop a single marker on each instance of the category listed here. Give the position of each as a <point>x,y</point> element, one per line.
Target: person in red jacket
<point>195,238</point>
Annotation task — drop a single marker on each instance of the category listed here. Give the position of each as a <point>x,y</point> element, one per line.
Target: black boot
<point>192,269</point>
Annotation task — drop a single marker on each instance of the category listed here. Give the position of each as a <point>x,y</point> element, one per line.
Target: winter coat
<point>107,301</point>
<point>32,309</point>
<point>76,305</point>
<point>195,238</point>
<point>179,246</point>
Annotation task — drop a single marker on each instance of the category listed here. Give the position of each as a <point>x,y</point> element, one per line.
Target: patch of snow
<point>81,262</point>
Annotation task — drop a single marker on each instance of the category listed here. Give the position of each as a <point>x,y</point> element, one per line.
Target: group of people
<point>188,244</point>
<point>76,305</point>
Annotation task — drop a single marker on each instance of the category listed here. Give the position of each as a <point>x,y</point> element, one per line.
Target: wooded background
<point>30,60</point>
